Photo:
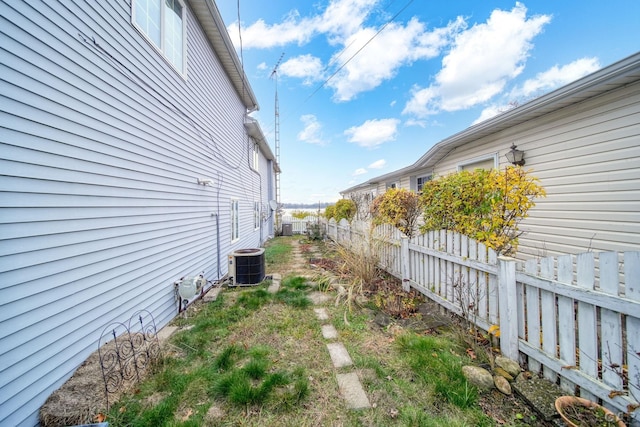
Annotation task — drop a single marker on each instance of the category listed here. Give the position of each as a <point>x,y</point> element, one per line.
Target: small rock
<point>512,367</point>
<point>504,374</point>
<point>478,376</point>
<point>502,384</point>
<point>382,319</point>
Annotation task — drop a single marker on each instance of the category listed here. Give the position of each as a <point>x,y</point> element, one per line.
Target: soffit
<point>211,21</point>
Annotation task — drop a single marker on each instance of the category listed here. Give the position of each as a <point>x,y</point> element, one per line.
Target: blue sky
<point>366,87</point>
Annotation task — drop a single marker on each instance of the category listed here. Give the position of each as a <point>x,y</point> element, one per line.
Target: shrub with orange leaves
<point>486,205</point>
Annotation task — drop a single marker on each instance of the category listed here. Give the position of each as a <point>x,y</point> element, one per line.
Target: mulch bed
<point>82,398</point>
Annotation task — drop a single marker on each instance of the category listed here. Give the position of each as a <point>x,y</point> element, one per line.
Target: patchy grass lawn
<point>252,358</point>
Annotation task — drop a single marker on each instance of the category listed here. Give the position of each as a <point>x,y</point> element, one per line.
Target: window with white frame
<point>421,181</point>
<point>256,157</point>
<point>392,185</point>
<point>256,215</point>
<point>235,220</point>
<point>163,23</point>
<point>485,162</point>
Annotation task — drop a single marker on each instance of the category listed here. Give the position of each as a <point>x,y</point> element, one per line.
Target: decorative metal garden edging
<point>127,350</point>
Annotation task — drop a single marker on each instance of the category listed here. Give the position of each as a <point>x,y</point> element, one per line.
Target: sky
<point>366,87</point>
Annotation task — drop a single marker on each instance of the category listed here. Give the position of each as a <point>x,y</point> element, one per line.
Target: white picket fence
<point>299,226</point>
<point>573,318</point>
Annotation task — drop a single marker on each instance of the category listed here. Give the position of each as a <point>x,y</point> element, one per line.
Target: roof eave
<point>604,80</point>
<point>211,21</point>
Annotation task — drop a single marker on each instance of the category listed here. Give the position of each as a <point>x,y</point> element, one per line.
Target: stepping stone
<point>319,297</point>
<point>166,332</point>
<point>321,313</point>
<point>352,391</point>
<point>212,294</point>
<point>275,284</point>
<point>539,393</point>
<point>329,332</point>
<point>339,355</point>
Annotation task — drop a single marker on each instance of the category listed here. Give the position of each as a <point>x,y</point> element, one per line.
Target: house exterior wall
<point>101,146</point>
<point>587,157</point>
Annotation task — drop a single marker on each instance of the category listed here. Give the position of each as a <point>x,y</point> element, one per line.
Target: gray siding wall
<point>101,146</point>
<point>587,157</point>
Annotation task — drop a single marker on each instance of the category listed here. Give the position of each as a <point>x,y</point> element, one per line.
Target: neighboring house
<point>127,161</point>
<point>582,141</point>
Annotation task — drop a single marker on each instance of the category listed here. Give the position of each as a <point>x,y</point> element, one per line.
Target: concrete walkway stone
<point>212,294</point>
<point>166,332</point>
<point>275,283</point>
<point>321,313</point>
<point>352,392</point>
<point>329,332</point>
<point>339,355</point>
<point>349,384</point>
<point>318,298</point>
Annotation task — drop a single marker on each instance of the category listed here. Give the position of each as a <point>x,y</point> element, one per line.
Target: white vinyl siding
<point>101,210</point>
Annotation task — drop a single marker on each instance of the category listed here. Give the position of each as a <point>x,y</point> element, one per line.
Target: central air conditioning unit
<point>246,266</point>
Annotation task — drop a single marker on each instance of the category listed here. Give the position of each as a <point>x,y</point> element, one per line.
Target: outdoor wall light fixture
<point>515,156</point>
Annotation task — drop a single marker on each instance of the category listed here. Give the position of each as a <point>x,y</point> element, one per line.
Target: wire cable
<point>359,50</point>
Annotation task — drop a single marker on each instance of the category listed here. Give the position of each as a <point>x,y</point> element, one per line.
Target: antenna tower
<point>274,75</point>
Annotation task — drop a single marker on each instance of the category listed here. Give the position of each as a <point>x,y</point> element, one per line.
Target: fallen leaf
<point>615,393</point>
<point>471,353</point>
<point>569,367</point>
<point>100,418</point>
<point>187,414</point>
<point>123,409</point>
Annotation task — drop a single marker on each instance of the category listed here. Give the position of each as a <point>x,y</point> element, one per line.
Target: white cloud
<point>392,103</point>
<point>359,171</point>
<point>373,133</point>
<point>415,122</point>
<point>373,58</point>
<point>262,66</point>
<point>556,77</point>
<point>491,111</point>
<point>423,102</point>
<point>381,57</point>
<point>312,132</point>
<point>543,82</point>
<point>481,61</point>
<point>338,21</point>
<point>343,18</point>
<point>262,35</point>
<point>305,67</point>
<point>378,164</point>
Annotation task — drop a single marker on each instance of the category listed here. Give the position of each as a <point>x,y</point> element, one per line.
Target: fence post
<point>508,307</point>
<point>404,263</point>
